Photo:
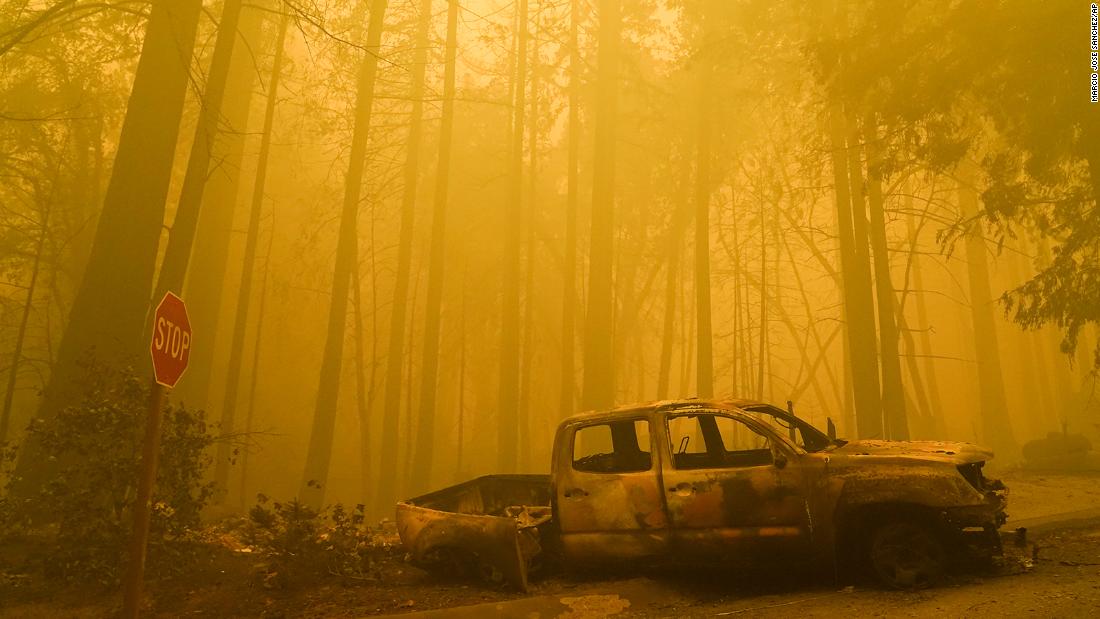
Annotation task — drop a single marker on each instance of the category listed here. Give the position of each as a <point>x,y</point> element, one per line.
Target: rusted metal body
<point>490,524</point>
<point>692,480</point>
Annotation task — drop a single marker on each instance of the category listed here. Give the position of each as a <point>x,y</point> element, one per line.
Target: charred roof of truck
<point>813,439</point>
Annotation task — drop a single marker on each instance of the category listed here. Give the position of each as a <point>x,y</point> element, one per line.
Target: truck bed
<point>493,525</point>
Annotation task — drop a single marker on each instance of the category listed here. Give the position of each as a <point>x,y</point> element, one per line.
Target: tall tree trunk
<point>508,399</point>
<point>79,221</point>
<point>858,313</point>
<point>762,339</point>
<point>410,376</point>
<point>747,360</point>
<point>737,340</point>
<point>599,372</point>
<point>460,441</point>
<point>425,438</point>
<point>893,392</point>
<point>110,305</point>
<point>674,249</point>
<point>775,304</point>
<point>181,237</point>
<point>253,380</point>
<point>858,278</point>
<point>248,265</point>
<point>687,334</point>
<point>396,353</point>
<point>569,273</point>
<point>528,353</point>
<point>366,408</point>
<point>204,293</point>
<point>362,399</point>
<point>996,426</point>
<point>935,402</point>
<point>704,375</point>
<point>319,455</point>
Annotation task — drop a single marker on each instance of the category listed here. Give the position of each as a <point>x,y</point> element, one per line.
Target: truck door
<point>607,491</point>
<point>732,492</point>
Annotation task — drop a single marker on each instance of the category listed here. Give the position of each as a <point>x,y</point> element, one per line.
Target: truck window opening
<point>725,442</point>
<point>614,447</point>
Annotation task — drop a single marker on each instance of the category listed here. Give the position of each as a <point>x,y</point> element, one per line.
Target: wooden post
<point>135,570</point>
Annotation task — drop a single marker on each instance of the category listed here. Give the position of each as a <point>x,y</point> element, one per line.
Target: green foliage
<point>299,544</point>
<point>1065,293</point>
<point>1005,84</point>
<point>88,503</point>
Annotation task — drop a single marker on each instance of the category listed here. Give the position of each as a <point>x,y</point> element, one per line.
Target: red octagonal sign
<point>171,344</point>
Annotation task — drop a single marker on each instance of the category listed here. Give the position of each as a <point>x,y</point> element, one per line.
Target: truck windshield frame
<point>812,439</point>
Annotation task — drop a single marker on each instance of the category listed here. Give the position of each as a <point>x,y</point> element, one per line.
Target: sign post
<point>170,349</point>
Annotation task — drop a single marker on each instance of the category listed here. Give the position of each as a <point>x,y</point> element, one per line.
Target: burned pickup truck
<point>732,482</point>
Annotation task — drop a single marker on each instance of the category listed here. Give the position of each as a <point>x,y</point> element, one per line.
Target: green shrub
<point>87,503</point>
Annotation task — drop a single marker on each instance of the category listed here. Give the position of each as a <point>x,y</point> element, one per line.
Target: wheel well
<point>855,523</point>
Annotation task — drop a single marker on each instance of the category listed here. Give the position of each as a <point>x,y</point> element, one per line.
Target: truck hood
<point>931,451</point>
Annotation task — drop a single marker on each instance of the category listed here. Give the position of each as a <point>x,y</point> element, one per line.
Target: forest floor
<point>1057,575</point>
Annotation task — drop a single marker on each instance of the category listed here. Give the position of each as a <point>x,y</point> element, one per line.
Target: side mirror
<point>780,461</point>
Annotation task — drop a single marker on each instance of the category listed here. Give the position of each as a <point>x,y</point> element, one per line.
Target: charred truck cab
<point>736,482</point>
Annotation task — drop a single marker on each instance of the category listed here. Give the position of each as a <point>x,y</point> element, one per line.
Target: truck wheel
<point>906,554</point>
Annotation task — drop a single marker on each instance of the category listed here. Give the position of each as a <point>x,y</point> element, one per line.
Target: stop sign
<point>171,343</point>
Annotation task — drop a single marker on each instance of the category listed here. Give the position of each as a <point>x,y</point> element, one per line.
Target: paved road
<point>1063,582</point>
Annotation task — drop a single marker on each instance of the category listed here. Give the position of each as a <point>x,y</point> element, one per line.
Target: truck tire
<point>906,554</point>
